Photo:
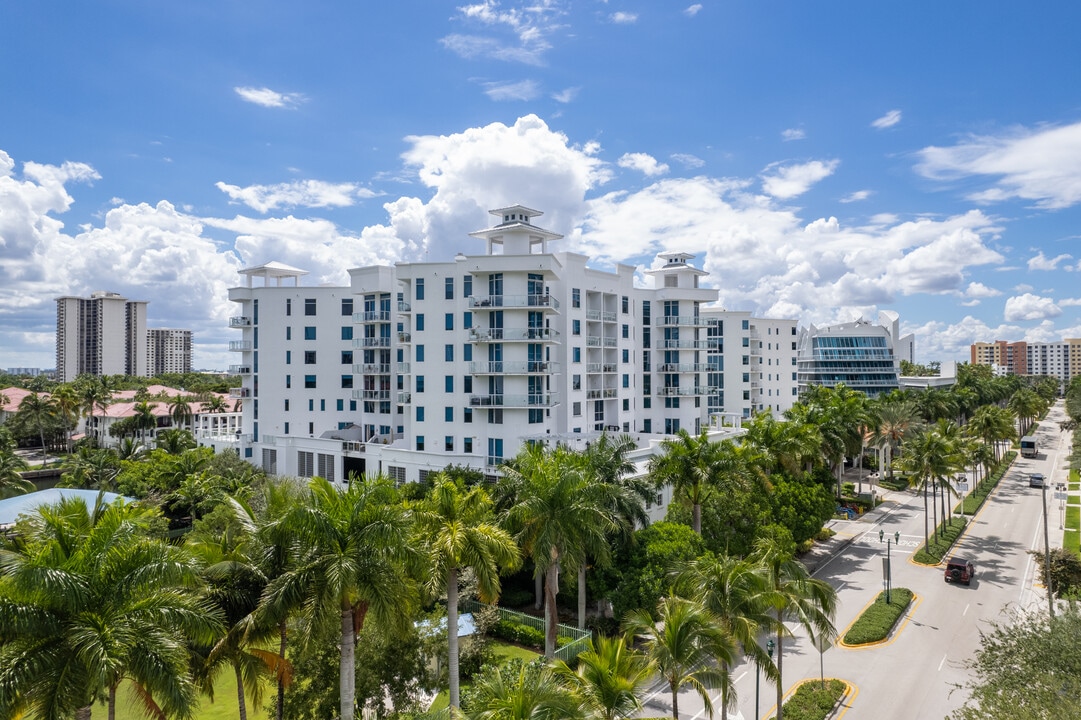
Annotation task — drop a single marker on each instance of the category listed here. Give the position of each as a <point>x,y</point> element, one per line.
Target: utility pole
<point>1047,553</point>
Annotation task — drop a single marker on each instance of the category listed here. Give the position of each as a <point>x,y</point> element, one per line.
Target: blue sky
<point>822,160</point>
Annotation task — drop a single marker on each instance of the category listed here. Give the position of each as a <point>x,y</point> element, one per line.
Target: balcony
<point>513,401</point>
<point>239,322</point>
<point>678,320</point>
<point>512,367</point>
<point>602,394</point>
<point>485,335</point>
<point>405,398</point>
<point>682,368</point>
<point>369,394</point>
<point>404,337</point>
<point>372,316</point>
<point>515,301</point>
<point>240,345</point>
<point>240,392</point>
<point>351,446</point>
<point>684,391</point>
<point>603,315</point>
<point>403,368</point>
<point>663,344</point>
<point>240,369</point>
<point>371,342</point>
<point>594,368</point>
<point>404,307</point>
<point>596,341</point>
<point>372,369</point>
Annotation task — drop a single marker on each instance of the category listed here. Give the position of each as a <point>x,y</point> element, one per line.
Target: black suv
<point>958,570</point>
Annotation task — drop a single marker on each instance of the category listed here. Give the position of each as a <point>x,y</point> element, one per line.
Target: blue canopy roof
<point>12,508</point>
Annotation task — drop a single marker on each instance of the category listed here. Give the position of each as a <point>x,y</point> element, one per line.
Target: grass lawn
<point>1073,500</point>
<point>1073,517</point>
<point>877,621</point>
<point>1071,540</point>
<point>224,706</point>
<point>504,651</point>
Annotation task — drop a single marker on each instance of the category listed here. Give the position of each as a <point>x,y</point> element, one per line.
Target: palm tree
<point>793,595</point>
<point>354,545</point>
<point>557,515</point>
<point>522,692</point>
<point>895,421</point>
<point>992,424</point>
<point>692,465</point>
<point>456,529</point>
<point>609,678</point>
<point>144,417</point>
<point>67,405</point>
<point>683,643</point>
<point>215,404</point>
<point>89,599</point>
<point>929,457</point>
<point>736,591</point>
<point>92,468</point>
<point>783,445</point>
<point>175,441</point>
<point>180,411</point>
<point>11,467</point>
<point>1027,405</point>
<point>39,410</point>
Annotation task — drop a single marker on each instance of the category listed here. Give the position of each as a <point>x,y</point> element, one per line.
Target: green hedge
<point>876,622</point>
<point>936,549</point>
<point>975,499</point>
<point>897,483</point>
<point>523,634</point>
<point>812,702</point>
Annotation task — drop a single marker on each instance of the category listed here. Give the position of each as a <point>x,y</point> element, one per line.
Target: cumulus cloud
<point>1041,165</point>
<point>978,290</point>
<point>623,18</point>
<point>789,181</point>
<point>521,90</point>
<point>301,193</point>
<point>1030,307</point>
<point>1069,302</point>
<point>266,97</point>
<point>693,10</point>
<point>856,196</point>
<point>643,163</point>
<point>1041,262</point>
<point>516,33</point>
<point>688,160</point>
<point>793,134</point>
<point>887,121</point>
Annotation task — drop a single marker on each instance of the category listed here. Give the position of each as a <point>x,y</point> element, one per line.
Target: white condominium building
<point>168,351</point>
<point>104,334</point>
<point>417,366</point>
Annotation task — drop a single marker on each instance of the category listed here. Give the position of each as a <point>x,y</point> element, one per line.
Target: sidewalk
<point>846,531</point>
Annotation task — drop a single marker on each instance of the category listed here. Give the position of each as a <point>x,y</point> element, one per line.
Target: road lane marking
<point>942,663</point>
<point>850,693</point>
<point>966,610</point>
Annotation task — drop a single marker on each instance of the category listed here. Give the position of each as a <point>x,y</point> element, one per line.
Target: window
<point>448,443</point>
<point>495,417</point>
<point>396,473</point>
<point>347,357</point>
<point>746,360</point>
<point>288,381</point>
<point>286,428</point>
<point>671,281</point>
<point>746,377</point>
<point>420,288</point>
<point>576,382</point>
<point>420,383</point>
<point>576,297</point>
<point>448,414</point>
<point>448,288</point>
<point>287,406</point>
<point>626,355</point>
<point>467,445</point>
<point>347,307</point>
<point>448,352</point>
<point>793,377</point>
<point>288,332</point>
<point>339,405</point>
<point>420,353</point>
<point>326,466</point>
<point>288,357</point>
<point>467,320</point>
<point>288,306</point>
<point>347,332</point>
<point>626,330</point>
<point>448,321</point>
<point>626,404</point>
<point>305,464</point>
<point>467,384</point>
<point>467,286</point>
<point>309,357</point>
<point>467,415</point>
<point>322,406</point>
<point>576,354</point>
<point>576,327</point>
<point>309,381</point>
<point>420,414</point>
<point>352,406</point>
<point>536,415</point>
<point>746,342</point>
<point>793,330</point>
<point>448,382</point>
<point>420,321</point>
<point>347,382</point>
<point>309,333</point>
<point>626,380</point>
<point>746,324</point>
<point>626,304</point>
<point>420,442</point>
<point>309,306</point>
<point>467,353</point>
<point>576,409</point>
<point>793,344</point>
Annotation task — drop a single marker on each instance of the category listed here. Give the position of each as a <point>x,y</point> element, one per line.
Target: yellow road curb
<point>888,640</point>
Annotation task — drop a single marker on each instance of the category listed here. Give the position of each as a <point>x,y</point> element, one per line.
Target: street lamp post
<point>757,674</point>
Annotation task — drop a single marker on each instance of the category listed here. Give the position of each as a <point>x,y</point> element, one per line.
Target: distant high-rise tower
<point>104,334</point>
<point>168,351</point>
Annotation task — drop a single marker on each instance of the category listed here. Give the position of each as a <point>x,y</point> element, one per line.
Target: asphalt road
<point>919,671</point>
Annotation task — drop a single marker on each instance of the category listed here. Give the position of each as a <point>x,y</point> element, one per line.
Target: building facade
<point>1060,360</point>
<point>168,351</point>
<point>417,366</point>
<point>861,355</point>
<point>104,334</point>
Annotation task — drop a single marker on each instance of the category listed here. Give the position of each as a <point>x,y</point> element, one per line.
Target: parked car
<point>1035,480</point>
<point>958,570</point>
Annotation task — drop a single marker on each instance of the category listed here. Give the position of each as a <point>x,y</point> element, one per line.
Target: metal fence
<point>578,639</point>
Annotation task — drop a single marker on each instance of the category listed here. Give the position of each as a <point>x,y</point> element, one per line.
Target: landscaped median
<point>812,701</point>
<point>878,619</point>
<point>940,542</point>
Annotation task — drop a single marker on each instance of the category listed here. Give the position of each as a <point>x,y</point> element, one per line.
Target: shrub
<point>519,633</point>
<point>515,598</point>
<point>877,621</point>
<point>812,702</point>
<point>936,549</point>
<point>825,534</point>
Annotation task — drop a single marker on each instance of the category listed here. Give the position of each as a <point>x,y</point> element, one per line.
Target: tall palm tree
<point>1027,405</point>
<point>609,679</point>
<point>793,595</point>
<point>144,417</point>
<point>783,445</point>
<point>683,642</point>
<point>457,529</point>
<point>929,457</point>
<point>68,404</point>
<point>895,421</point>
<point>522,692</point>
<point>89,600</point>
<point>692,465</point>
<point>736,591</point>
<point>39,411</point>
<point>558,516</point>
<point>354,545</point>
<point>11,467</point>
<point>180,411</point>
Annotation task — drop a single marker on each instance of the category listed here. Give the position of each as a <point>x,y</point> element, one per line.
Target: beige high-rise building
<point>104,334</point>
<point>168,351</point>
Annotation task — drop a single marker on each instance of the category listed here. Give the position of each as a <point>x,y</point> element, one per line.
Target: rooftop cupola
<point>515,233</point>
